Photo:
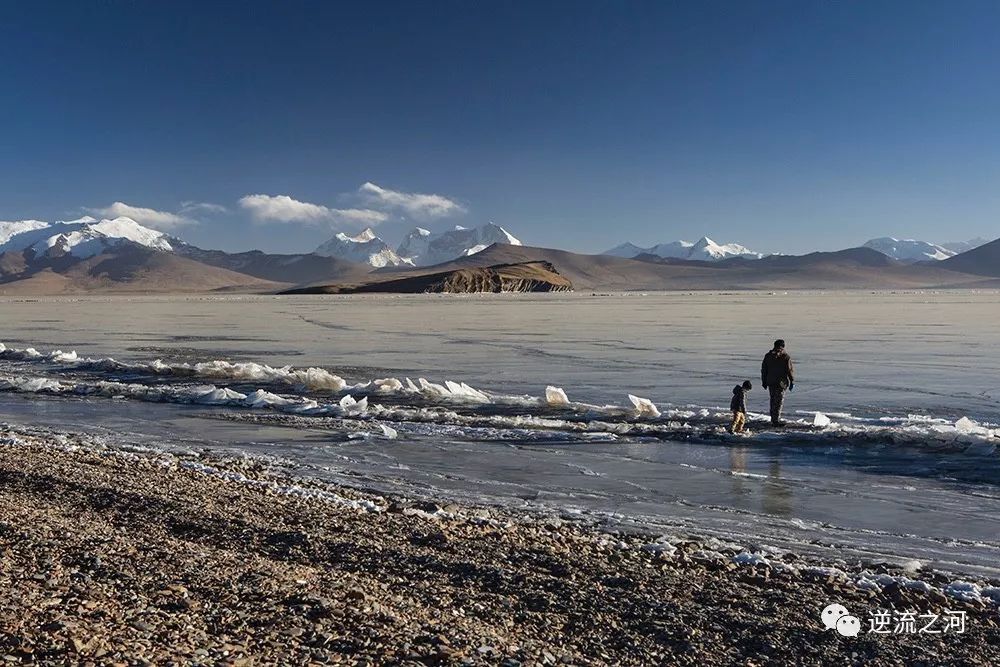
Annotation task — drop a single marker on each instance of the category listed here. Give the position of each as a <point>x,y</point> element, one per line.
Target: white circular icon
<point>832,614</point>
<point>849,626</point>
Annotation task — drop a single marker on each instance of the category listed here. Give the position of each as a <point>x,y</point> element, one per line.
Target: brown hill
<point>846,269</point>
<point>519,277</point>
<point>295,269</point>
<point>128,268</point>
<point>981,261</point>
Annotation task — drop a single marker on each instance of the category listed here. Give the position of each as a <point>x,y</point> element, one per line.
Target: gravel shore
<point>115,557</point>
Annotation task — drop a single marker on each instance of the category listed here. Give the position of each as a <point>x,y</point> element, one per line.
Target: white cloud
<point>358,216</point>
<point>207,207</point>
<point>162,220</point>
<point>420,206</point>
<point>282,208</point>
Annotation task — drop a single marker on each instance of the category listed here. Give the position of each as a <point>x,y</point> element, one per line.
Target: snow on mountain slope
<point>426,248</point>
<point>909,250</point>
<point>85,237</point>
<point>416,243</point>
<point>626,250</point>
<point>11,229</point>
<point>365,248</point>
<point>127,228</point>
<point>705,249</point>
<point>958,247</point>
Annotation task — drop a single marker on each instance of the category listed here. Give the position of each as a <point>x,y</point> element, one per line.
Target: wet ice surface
<point>883,485</point>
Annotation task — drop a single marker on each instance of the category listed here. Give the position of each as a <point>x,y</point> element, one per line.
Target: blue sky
<point>786,126</point>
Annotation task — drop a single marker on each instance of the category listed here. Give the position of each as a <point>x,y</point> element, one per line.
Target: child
<point>739,406</point>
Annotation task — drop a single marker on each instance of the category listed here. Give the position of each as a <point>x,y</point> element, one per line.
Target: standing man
<point>776,375</point>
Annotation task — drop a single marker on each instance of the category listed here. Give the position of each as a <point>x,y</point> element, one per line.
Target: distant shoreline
<point>116,556</point>
<point>578,293</point>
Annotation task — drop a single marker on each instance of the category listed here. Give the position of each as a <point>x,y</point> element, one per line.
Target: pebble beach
<point>112,557</point>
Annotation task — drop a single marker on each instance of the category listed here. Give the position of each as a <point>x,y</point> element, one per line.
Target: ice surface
<point>897,474</point>
<point>646,418</point>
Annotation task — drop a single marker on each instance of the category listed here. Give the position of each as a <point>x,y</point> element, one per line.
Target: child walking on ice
<point>739,406</point>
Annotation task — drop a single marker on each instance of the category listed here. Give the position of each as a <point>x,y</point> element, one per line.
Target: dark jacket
<point>777,370</point>
<point>739,402</point>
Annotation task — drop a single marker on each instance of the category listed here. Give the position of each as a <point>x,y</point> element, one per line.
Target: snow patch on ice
<point>556,397</point>
<point>963,590</point>
<point>451,390</point>
<point>313,379</point>
<point>821,420</point>
<point>283,489</point>
<point>749,558</point>
<point>662,546</point>
<point>644,407</point>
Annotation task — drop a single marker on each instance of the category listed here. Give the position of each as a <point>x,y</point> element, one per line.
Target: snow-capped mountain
<point>365,248</point>
<point>80,238</point>
<point>958,247</point>
<point>13,228</point>
<point>415,244</point>
<point>909,250</point>
<point>426,248</point>
<point>626,250</point>
<point>705,249</point>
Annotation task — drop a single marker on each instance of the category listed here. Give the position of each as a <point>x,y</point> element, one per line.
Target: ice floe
<point>556,397</point>
<point>644,407</point>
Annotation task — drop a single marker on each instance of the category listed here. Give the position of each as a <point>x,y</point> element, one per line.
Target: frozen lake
<point>892,477</point>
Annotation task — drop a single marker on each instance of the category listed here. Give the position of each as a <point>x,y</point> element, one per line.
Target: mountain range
<point>366,248</point>
<point>853,268</point>
<point>85,237</point>
<point>909,250</point>
<point>426,248</point>
<point>108,255</point>
<point>119,254</point>
<point>421,247</point>
<point>704,249</point>
<point>983,260</point>
<point>707,250</point>
<point>959,247</point>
